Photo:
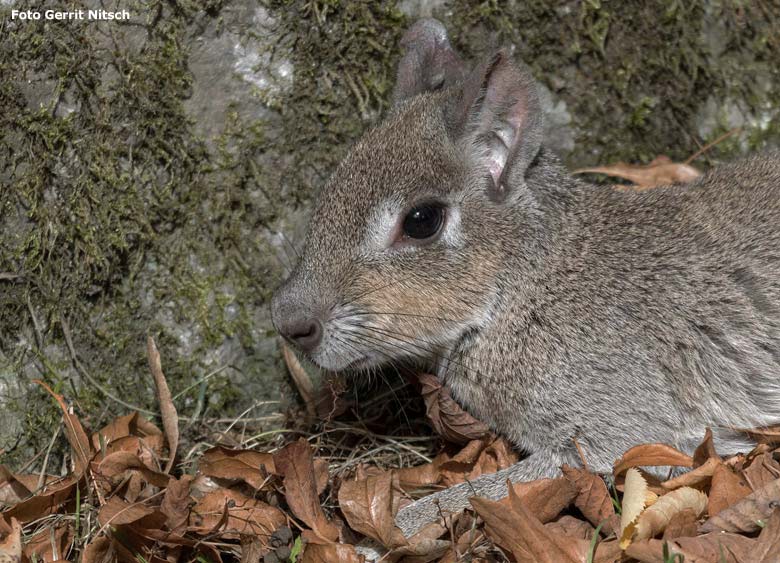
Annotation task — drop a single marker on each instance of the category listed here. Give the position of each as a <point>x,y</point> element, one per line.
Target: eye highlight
<point>423,221</point>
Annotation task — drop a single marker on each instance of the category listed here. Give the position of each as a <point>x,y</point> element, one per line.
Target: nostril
<point>305,333</point>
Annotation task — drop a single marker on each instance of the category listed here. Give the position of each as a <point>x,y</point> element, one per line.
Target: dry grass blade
<point>170,419</point>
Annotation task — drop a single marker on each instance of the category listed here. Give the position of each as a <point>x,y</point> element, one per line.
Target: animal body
<point>451,239</point>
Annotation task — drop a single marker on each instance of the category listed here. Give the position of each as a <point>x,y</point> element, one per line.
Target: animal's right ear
<point>429,62</point>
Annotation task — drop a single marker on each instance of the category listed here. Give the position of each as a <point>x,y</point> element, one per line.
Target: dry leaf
<point>447,417</point>
<point>50,543</point>
<point>79,443</point>
<point>229,514</point>
<point>767,547</point>
<point>705,450</point>
<point>170,418</point>
<point>593,498</point>
<point>571,526</point>
<point>116,512</point>
<point>330,553</point>
<point>715,548</point>
<point>634,500</point>
<point>727,488</point>
<point>479,457</point>
<point>544,498</point>
<point>655,518</point>
<point>176,503</point>
<point>744,515</point>
<point>134,426</point>
<point>519,531</point>
<point>246,465</point>
<point>682,524</point>
<point>370,506</point>
<point>660,172</point>
<point>765,434</point>
<point>694,478</point>
<point>11,545</point>
<point>652,455</point>
<point>761,471</point>
<point>44,503</point>
<point>99,550</point>
<point>295,463</point>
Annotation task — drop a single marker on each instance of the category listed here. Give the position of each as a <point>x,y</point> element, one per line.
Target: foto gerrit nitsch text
<point>70,15</point>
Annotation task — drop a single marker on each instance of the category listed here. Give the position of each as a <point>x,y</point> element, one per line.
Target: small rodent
<point>451,239</point>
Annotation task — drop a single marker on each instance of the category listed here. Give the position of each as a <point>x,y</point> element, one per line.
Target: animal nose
<point>306,333</point>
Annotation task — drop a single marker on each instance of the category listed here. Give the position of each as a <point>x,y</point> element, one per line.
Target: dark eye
<point>423,221</point>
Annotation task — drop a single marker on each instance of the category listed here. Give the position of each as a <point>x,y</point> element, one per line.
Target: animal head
<point>409,236</point>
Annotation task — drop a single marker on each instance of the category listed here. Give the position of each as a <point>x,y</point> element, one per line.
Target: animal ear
<point>498,114</point>
<point>429,62</point>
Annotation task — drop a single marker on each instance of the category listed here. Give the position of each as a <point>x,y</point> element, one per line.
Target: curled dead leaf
<point>593,498</point>
<point>652,455</point>
<point>653,520</point>
<point>634,501</point>
<point>449,420</point>
<point>170,418</point>
<point>660,172</point>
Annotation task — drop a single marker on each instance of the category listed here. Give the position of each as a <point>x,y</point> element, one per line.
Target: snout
<point>295,320</point>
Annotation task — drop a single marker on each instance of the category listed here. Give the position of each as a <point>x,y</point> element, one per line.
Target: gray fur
<point>562,311</point>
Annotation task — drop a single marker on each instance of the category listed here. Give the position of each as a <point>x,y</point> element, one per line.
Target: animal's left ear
<point>429,62</point>
<point>498,115</point>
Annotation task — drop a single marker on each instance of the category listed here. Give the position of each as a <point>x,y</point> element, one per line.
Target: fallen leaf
<point>593,498</point>
<point>50,543</point>
<point>744,515</point>
<point>370,506</point>
<point>295,463</point>
<point>544,498</point>
<point>170,418</point>
<point>660,172</point>
<point>705,450</point>
<point>116,512</point>
<point>99,550</point>
<point>761,470</point>
<point>113,467</point>
<point>694,478</point>
<point>176,503</point>
<point>716,547</point>
<point>652,455</point>
<point>727,488</point>
<point>330,553</point>
<point>765,434</point>
<point>74,432</point>
<point>45,502</point>
<point>479,457</point>
<point>682,524</point>
<point>519,531</point>
<point>634,501</point>
<point>767,546</point>
<point>228,514</point>
<point>654,519</point>
<point>12,489</point>
<point>449,420</point>
<point>11,545</point>
<point>571,526</point>
<point>245,465</point>
<point>129,426</point>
